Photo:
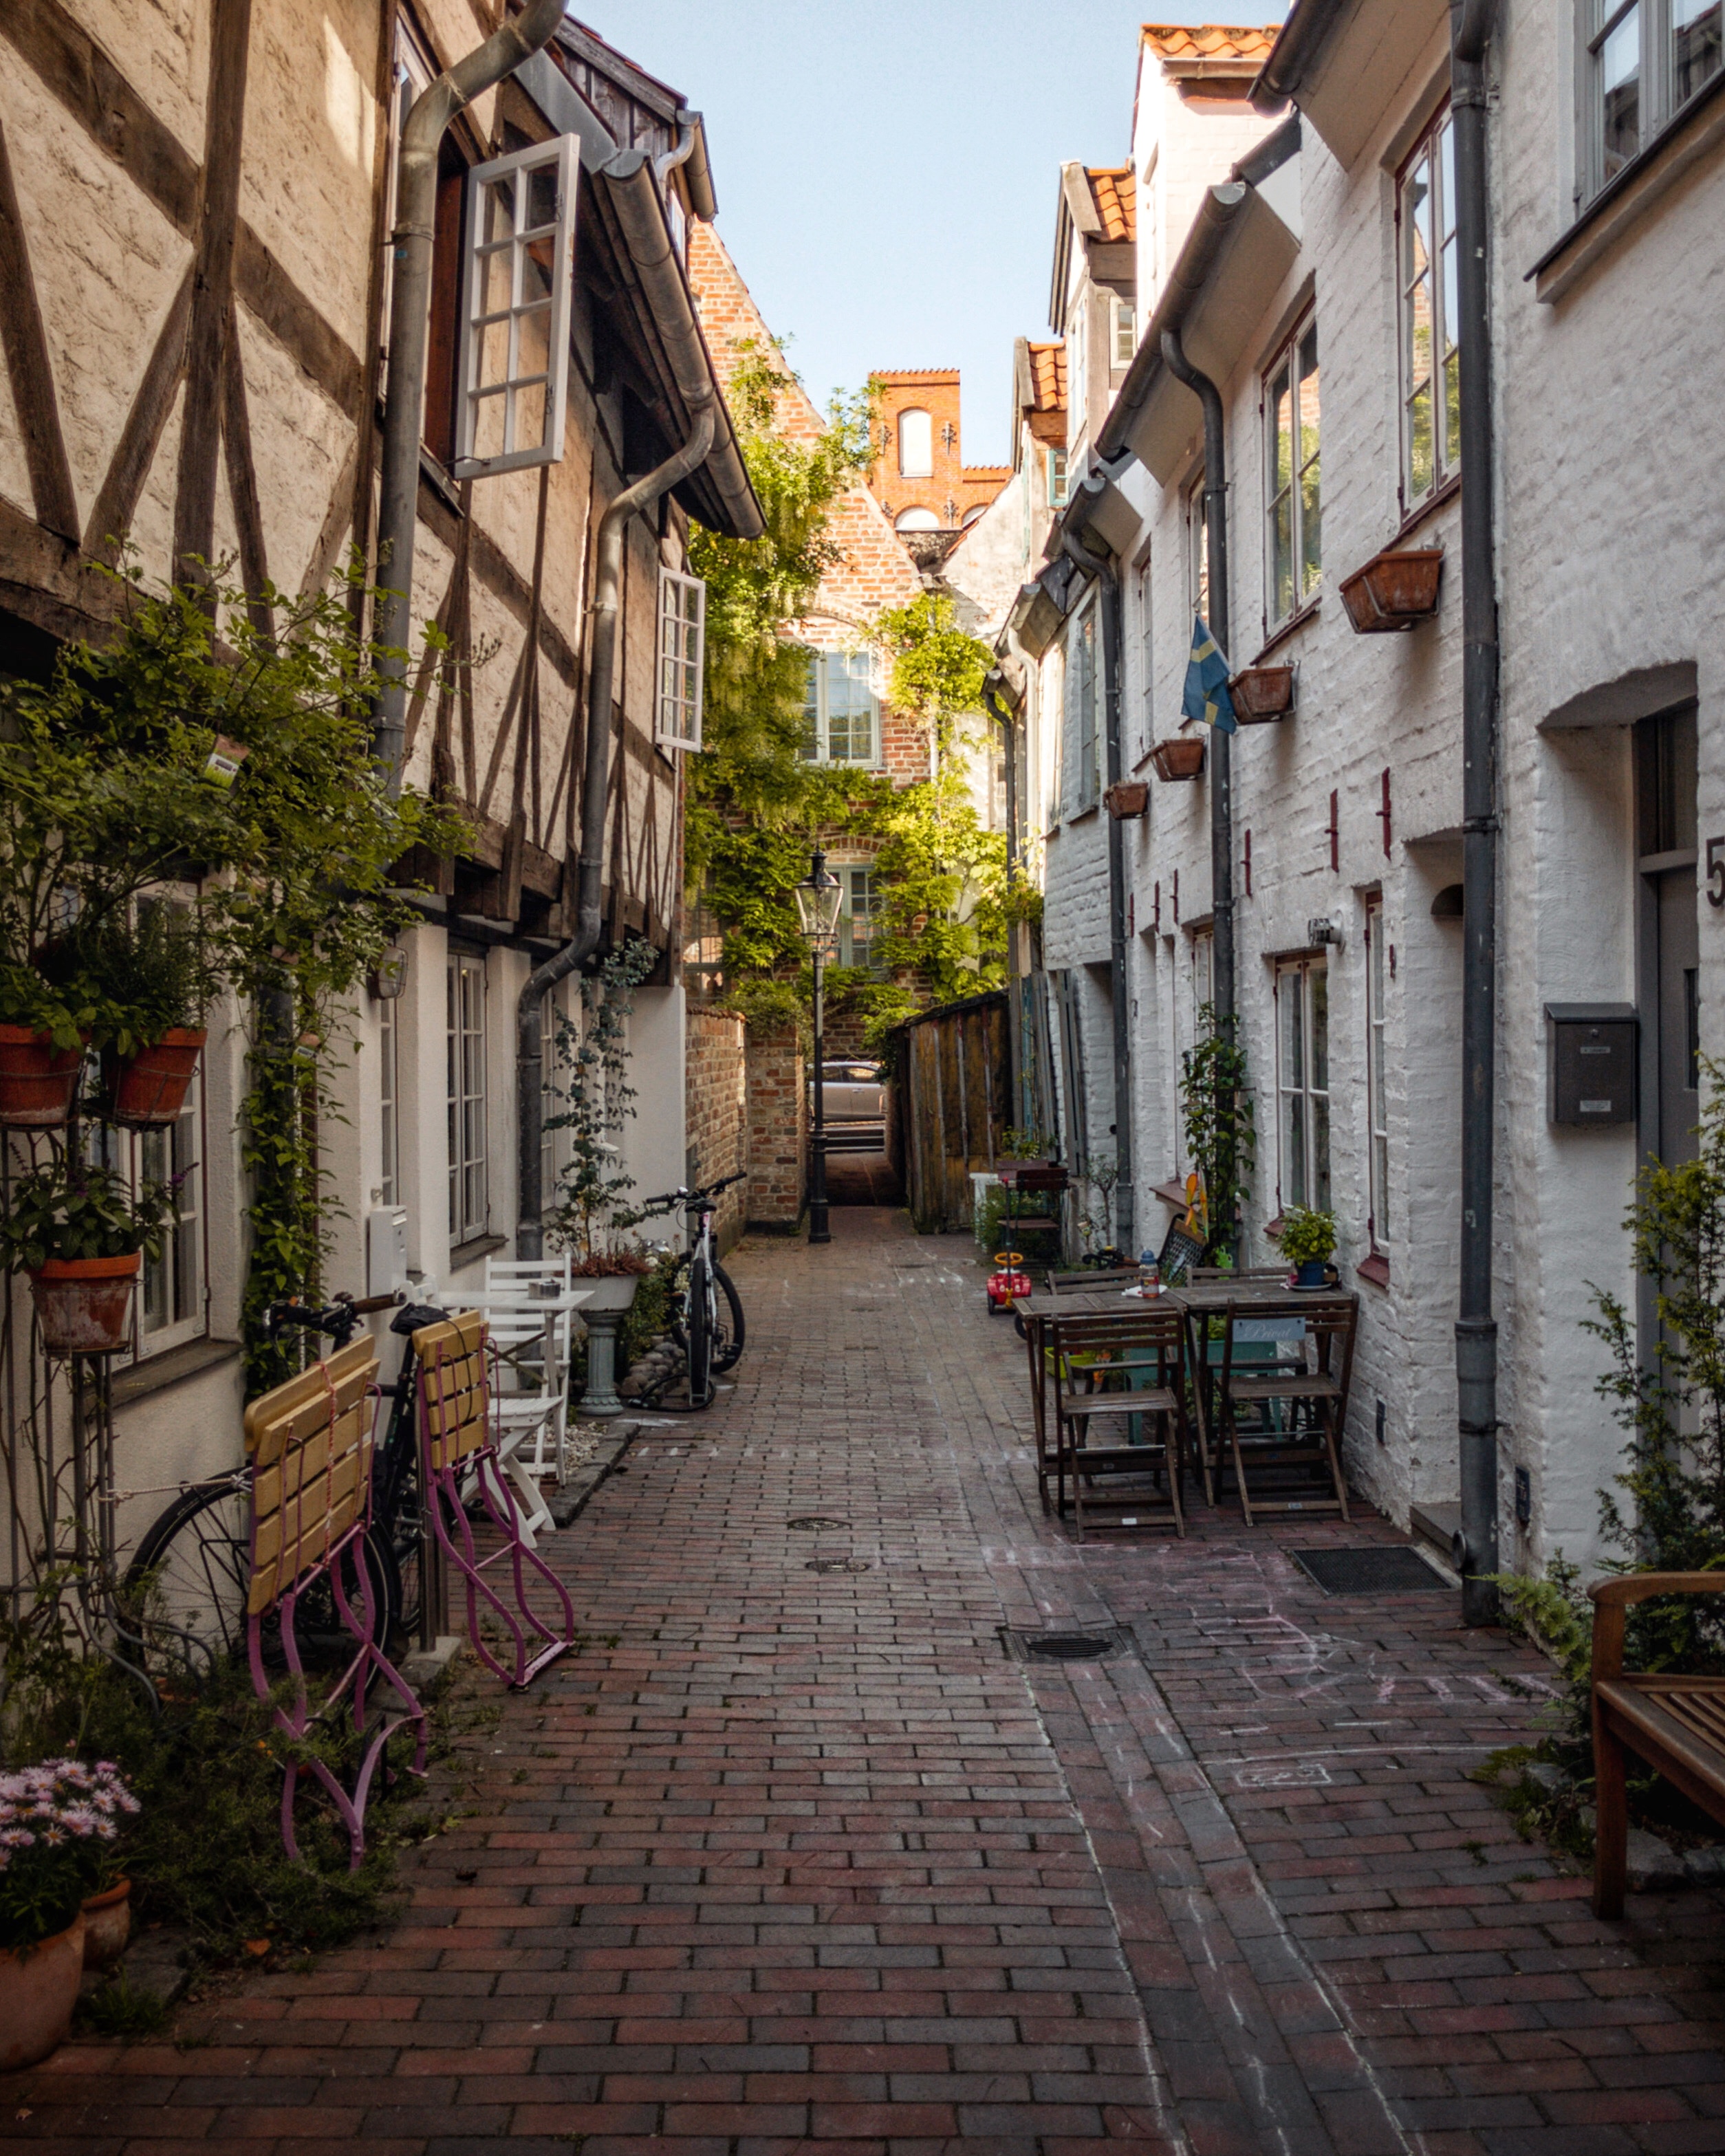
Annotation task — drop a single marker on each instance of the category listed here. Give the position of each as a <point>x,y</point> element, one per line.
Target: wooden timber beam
<point>30,372</point>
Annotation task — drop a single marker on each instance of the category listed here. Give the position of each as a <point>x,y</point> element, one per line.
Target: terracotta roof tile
<point>1116,198</point>
<point>1210,41</point>
<point>1048,377</point>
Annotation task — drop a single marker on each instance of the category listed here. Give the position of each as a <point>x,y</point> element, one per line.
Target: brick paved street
<point>806,1861</point>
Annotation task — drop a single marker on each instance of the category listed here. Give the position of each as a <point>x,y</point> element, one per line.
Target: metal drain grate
<point>1398,1569</point>
<point>1062,1646</point>
<point>837,1564</point>
<point>814,1523</point>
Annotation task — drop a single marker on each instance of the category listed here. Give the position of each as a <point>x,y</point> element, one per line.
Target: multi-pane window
<point>1291,412</point>
<point>1055,465</point>
<point>1431,311</point>
<point>468,1210</point>
<point>1376,1110</point>
<point>682,629</point>
<point>1303,1083</point>
<point>1644,61</point>
<point>389,1101</point>
<point>841,713</point>
<point>1125,337</point>
<point>515,329</point>
<point>858,923</point>
<point>1204,993</point>
<point>1146,661</point>
<point>1198,551</point>
<point>1080,711</point>
<point>170,1307</point>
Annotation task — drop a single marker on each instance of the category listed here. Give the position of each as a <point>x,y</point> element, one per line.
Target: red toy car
<point>1008,1283</point>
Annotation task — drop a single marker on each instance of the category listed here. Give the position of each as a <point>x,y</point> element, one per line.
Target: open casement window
<point>1431,314</point>
<point>682,634</point>
<point>470,1215</point>
<point>1302,1085</point>
<point>1376,977</point>
<point>515,324</point>
<point>841,713</point>
<point>1642,61</point>
<point>1291,469</point>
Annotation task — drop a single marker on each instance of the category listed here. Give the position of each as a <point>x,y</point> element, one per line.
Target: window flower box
<point>1396,589</point>
<point>1181,757</point>
<point>1130,798</point>
<point>1262,694</point>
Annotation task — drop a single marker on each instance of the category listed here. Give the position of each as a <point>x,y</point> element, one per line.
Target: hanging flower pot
<point>84,1305</point>
<point>148,1091</point>
<point>37,1080</point>
<point>39,1989</point>
<point>1262,694</point>
<point>1181,757</point>
<point>107,1926</point>
<point>1130,798</point>
<point>1397,589</point>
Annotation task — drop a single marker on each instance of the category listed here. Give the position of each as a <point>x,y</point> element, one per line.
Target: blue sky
<point>886,174</point>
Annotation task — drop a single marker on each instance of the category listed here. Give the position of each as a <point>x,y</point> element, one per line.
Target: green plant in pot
<point>150,979</point>
<point>82,1234</point>
<point>44,1029</point>
<point>1307,1239</point>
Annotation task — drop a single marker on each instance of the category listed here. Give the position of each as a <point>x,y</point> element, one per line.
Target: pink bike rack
<point>311,1443</point>
<point>456,1439</point>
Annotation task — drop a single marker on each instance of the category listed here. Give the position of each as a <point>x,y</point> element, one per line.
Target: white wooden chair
<point>531,1398</point>
<point>510,1283</point>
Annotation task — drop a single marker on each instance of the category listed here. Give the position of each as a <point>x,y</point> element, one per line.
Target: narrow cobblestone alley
<point>806,1860</point>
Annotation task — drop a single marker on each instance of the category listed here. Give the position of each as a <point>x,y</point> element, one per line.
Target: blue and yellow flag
<point>1207,696</point>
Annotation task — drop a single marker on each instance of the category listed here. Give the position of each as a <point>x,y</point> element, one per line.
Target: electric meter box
<point>1591,1063</point>
<point>386,1250</point>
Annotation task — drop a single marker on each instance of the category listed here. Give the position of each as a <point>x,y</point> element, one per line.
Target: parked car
<point>853,1104</point>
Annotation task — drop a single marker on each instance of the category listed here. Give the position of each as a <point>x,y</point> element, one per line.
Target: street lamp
<point>817,898</point>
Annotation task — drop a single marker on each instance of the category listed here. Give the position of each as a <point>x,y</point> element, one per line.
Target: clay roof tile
<point>1116,198</point>
<point>1047,377</point>
<point>1210,41</point>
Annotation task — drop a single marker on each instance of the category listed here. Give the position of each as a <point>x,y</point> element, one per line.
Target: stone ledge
<point>568,1503</point>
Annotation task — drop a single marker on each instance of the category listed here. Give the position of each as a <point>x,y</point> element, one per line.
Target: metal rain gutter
<point>1298,44</point>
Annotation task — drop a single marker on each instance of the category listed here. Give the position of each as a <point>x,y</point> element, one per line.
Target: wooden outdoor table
<point>1036,1310</point>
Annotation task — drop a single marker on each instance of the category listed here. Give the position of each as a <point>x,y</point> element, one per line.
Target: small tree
<point>592,1208</point>
<point>1217,1115</point>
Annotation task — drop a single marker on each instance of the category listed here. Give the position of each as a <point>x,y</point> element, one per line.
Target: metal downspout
<point>1002,713</point>
<point>1100,567</point>
<point>409,309</point>
<point>1475,1327</point>
<point>595,795</point>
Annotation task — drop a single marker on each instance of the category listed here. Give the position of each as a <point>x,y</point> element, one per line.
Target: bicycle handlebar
<point>689,1200</point>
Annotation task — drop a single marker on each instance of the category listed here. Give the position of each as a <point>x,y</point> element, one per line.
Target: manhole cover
<point>1062,1646</point>
<point>1398,1569</point>
<point>836,1565</point>
<point>814,1522</point>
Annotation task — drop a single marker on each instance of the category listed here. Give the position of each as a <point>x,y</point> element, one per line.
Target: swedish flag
<point>1207,696</point>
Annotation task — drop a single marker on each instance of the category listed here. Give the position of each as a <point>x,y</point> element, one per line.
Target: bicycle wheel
<point>183,1598</point>
<point>699,1320</point>
<point>728,1328</point>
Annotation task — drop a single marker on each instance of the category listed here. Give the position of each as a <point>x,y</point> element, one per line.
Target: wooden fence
<point>954,1088</point>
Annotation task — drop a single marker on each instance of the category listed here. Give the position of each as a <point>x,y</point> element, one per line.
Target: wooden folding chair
<point>1115,1371</point>
<point>1282,1411</point>
<point>1085,1279</point>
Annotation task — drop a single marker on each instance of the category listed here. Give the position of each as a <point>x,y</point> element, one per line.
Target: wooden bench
<point>1676,1724</point>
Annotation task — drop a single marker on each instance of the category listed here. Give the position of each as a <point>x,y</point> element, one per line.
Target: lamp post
<point>817,897</point>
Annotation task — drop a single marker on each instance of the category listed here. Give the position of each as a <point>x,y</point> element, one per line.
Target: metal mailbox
<point>1591,1065</point>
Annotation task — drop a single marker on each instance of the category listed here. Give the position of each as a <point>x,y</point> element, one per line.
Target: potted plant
<point>150,979</point>
<point>58,1826</point>
<point>1306,1239</point>
<point>44,1033</point>
<point>78,1231</point>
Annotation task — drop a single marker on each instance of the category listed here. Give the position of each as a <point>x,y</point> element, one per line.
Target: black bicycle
<point>706,1311</point>
<point>183,1598</point>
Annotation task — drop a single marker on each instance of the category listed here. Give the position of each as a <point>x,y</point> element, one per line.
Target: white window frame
<point>561,155</point>
<point>1124,318</point>
<point>1198,549</point>
<point>1055,467</point>
<point>1303,1140</point>
<point>1146,660</point>
<point>817,709</point>
<point>926,469</point>
<point>1290,486</point>
<point>388,1102</point>
<point>681,660</point>
<point>1376,1110</point>
<point>182,1271</point>
<point>858,878</point>
<point>468,1109</point>
<point>1080,715</point>
<point>1435,154</point>
<point>1602,23</point>
<point>1203,985</point>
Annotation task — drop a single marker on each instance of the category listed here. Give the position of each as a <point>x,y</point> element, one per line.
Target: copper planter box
<point>1131,798</point>
<point>1396,589</point>
<point>1181,757</point>
<point>84,1305</point>
<point>1262,694</point>
<point>37,1080</point>
<point>148,1091</point>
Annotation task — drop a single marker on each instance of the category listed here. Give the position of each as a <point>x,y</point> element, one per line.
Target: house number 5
<point>1716,871</point>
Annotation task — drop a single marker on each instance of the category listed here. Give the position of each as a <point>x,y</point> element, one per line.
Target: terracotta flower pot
<point>1181,757</point>
<point>1130,798</point>
<point>1397,589</point>
<point>148,1091</point>
<point>38,1989</point>
<point>107,1926</point>
<point>1262,694</point>
<point>37,1080</point>
<point>84,1305</point>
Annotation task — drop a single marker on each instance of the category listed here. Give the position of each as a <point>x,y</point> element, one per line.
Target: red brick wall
<point>716,1092</point>
<point>778,1129</point>
<point>952,487</point>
